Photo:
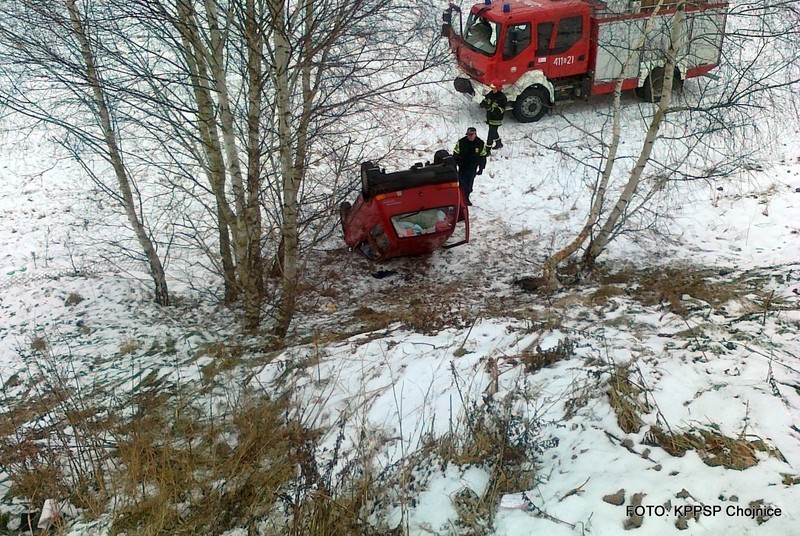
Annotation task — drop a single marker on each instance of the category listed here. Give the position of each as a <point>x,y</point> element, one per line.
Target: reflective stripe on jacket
<point>470,154</point>
<point>495,104</point>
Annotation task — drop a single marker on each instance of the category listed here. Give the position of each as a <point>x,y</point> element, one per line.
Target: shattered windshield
<point>481,34</point>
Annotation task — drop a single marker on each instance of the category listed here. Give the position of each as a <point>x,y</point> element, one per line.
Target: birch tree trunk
<point>252,210</point>
<point>247,229</point>
<point>192,49</point>
<point>549,275</point>
<point>290,184</point>
<point>618,214</point>
<point>116,159</point>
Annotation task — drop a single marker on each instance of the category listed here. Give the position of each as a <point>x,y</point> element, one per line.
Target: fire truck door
<point>517,51</point>
<point>562,46</point>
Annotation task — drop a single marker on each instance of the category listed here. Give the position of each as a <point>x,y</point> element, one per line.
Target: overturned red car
<point>410,212</point>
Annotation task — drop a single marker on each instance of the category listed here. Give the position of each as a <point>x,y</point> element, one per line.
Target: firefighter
<point>470,155</point>
<point>495,103</point>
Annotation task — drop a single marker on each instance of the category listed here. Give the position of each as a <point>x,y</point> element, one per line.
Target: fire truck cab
<point>543,51</point>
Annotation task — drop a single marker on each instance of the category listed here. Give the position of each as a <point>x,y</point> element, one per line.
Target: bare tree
<point>206,50</point>
<point>51,37</point>
<point>691,124</point>
<point>601,187</point>
<point>333,63</point>
<point>306,73</point>
<point>265,99</point>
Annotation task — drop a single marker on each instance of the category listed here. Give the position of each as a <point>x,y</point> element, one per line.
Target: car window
<point>376,243</point>
<point>424,222</point>
<point>518,37</point>
<point>570,31</point>
<point>543,33</point>
<point>481,34</point>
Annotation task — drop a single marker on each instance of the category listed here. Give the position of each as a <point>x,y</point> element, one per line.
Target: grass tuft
<point>536,359</point>
<point>714,448</point>
<point>625,397</point>
<point>503,442</point>
<point>39,344</point>
<point>73,299</point>
<point>128,347</point>
<point>671,286</point>
<point>605,292</point>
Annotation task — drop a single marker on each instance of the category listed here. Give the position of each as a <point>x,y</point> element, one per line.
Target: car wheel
<point>344,211</point>
<point>368,170</point>
<point>440,156</point>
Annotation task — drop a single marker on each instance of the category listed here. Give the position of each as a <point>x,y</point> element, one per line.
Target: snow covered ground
<point>731,367</point>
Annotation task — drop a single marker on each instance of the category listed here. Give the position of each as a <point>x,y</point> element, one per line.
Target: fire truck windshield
<point>481,34</point>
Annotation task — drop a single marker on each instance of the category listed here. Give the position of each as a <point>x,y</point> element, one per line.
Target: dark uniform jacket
<point>495,104</point>
<point>470,154</point>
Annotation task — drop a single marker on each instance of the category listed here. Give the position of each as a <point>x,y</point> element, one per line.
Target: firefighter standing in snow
<point>470,154</point>
<point>495,103</point>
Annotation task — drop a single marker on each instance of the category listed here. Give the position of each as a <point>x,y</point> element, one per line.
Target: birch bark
<point>115,157</point>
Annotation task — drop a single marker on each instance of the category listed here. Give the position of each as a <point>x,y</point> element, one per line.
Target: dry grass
<point>761,303</point>
<point>571,300</point>
<point>790,479</point>
<point>714,448</point>
<point>535,359</point>
<point>128,347</point>
<point>182,475</point>
<point>503,443</point>
<point>39,344</point>
<point>173,471</point>
<point>422,313</point>
<point>74,298</point>
<point>629,403</point>
<point>50,446</point>
<point>579,398</point>
<point>226,357</point>
<point>682,289</point>
<point>671,286</point>
<point>606,292</point>
<point>221,351</point>
<point>169,467</point>
<point>625,397</point>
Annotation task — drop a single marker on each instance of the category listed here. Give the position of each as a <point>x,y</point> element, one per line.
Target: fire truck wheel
<point>531,105</point>
<point>651,89</point>
<point>654,84</point>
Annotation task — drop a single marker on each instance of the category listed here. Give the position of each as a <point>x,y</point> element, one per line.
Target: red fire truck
<point>543,51</point>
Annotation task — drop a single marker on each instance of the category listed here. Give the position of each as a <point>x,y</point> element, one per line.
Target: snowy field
<point>731,368</point>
